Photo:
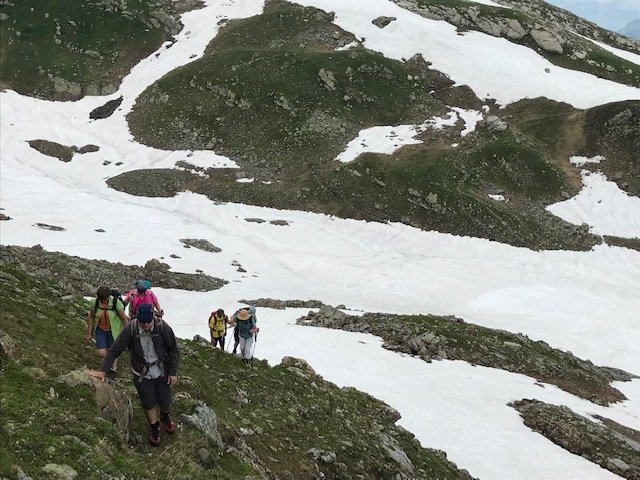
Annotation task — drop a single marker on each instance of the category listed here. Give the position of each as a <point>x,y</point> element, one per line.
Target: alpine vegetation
<point>394,239</point>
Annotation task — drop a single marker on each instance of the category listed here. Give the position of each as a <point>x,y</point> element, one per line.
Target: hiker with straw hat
<point>245,324</point>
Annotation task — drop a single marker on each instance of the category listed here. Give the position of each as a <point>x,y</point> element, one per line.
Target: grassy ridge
<point>90,43</point>
<point>272,93</point>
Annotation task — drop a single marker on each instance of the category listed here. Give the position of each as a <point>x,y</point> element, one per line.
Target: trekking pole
<point>255,340</point>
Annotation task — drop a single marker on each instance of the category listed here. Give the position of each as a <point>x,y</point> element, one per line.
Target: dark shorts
<point>153,392</point>
<point>103,339</point>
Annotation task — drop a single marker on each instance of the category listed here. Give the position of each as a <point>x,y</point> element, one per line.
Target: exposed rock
<point>282,304</point>
<point>547,40</point>
<point>53,149</point>
<point>435,338</point>
<point>395,451</point>
<point>201,244</point>
<point>495,124</point>
<point>114,405</point>
<point>61,85</point>
<point>53,228</point>
<point>170,24</point>
<point>579,435</point>
<point>207,460</point>
<point>109,89</point>
<point>382,22</point>
<point>512,29</point>
<point>4,217</point>
<point>206,420</point>
<point>75,378</point>
<point>328,79</point>
<point>299,366</point>
<point>88,149</point>
<point>59,472</point>
<point>7,346</point>
<point>105,110</point>
<point>322,456</point>
<point>86,275</point>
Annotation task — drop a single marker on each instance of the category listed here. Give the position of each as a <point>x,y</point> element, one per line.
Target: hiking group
<point>245,331</point>
<point>135,323</point>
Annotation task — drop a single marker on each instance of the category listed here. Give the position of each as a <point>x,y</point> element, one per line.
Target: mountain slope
<point>632,30</point>
<point>280,422</point>
<point>495,135</point>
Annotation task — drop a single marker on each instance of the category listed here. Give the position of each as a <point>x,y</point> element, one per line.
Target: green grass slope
<point>274,94</point>
<point>275,422</point>
<point>63,50</point>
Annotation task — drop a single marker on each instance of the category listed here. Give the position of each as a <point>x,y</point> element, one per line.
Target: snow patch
<point>388,139</point>
<point>580,161</point>
<point>603,206</point>
<point>497,197</point>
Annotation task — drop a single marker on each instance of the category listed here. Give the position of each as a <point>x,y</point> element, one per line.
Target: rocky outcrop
<point>382,22</point>
<point>63,153</point>
<point>551,29</point>
<point>282,304</point>
<point>547,40</point>
<point>82,276</point>
<point>114,405</point>
<point>200,244</point>
<point>206,420</point>
<point>52,149</point>
<point>7,347</point>
<point>439,338</point>
<point>106,110</point>
<point>611,449</point>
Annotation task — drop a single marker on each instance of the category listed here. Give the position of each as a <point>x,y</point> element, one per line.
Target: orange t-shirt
<point>103,319</point>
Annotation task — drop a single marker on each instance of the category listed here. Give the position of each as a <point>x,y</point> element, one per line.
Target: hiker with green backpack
<point>106,318</point>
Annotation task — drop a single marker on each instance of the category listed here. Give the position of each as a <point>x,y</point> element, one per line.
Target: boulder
<point>114,405</point>
<point>547,41</point>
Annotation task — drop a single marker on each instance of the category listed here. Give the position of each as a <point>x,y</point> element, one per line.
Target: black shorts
<point>153,392</point>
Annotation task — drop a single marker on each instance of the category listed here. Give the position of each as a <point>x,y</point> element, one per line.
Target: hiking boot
<point>112,373</point>
<point>169,425</point>
<point>154,434</point>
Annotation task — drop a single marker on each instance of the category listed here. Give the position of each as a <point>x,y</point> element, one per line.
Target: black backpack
<point>116,295</point>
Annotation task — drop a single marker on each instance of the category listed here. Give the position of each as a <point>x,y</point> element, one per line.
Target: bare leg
<point>152,415</point>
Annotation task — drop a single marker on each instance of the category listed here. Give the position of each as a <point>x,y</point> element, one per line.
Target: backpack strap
<point>159,325</point>
<point>114,304</point>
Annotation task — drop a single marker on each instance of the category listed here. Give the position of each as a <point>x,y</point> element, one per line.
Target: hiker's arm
<point>173,352</point>
<point>254,328</point>
<point>99,374</point>
<point>91,317</point>
<point>156,303</point>
<point>120,311</point>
